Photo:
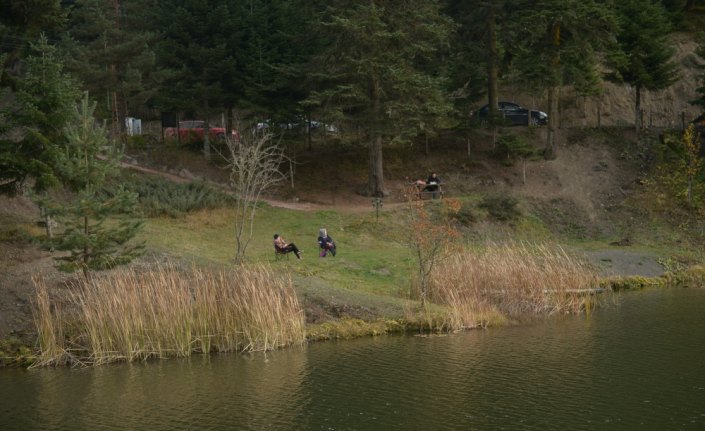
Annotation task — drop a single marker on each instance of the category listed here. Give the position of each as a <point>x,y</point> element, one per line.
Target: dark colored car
<point>515,115</point>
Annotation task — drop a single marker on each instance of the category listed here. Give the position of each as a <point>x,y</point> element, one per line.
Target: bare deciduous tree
<point>429,234</point>
<point>254,168</point>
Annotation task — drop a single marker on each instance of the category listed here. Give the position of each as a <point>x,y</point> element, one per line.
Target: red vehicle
<point>194,131</point>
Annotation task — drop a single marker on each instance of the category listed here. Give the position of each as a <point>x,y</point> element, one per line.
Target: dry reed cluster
<point>512,280</point>
<point>163,312</point>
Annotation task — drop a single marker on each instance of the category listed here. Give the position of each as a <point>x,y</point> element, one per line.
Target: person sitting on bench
<point>326,243</point>
<point>433,183</point>
<point>283,247</point>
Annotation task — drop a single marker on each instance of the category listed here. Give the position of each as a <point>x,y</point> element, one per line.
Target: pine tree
<point>479,49</point>
<point>646,60</point>
<point>22,22</point>
<point>93,238</point>
<point>198,51</point>
<point>111,53</point>
<point>43,104</point>
<point>559,42</point>
<point>270,41</point>
<point>380,71</point>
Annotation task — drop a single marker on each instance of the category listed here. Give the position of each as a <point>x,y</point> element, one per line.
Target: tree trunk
<point>550,152</point>
<point>376,179</point>
<point>467,139</point>
<point>599,115</point>
<point>492,68</point>
<point>637,113</point>
<point>308,131</point>
<point>376,174</point>
<point>229,122</point>
<point>206,134</point>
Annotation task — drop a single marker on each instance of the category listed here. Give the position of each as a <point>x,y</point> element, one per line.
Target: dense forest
<point>387,70</point>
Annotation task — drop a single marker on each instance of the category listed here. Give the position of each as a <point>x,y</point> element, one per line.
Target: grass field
<point>372,274</point>
<point>371,267</point>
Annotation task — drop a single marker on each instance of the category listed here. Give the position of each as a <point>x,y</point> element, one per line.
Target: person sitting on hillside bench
<point>433,183</point>
<point>282,247</point>
<point>326,243</point>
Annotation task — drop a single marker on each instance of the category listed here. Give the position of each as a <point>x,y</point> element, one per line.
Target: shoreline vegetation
<point>512,260</point>
<point>134,315</point>
<point>173,309</point>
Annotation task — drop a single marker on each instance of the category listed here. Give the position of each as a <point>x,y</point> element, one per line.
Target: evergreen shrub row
<point>160,197</point>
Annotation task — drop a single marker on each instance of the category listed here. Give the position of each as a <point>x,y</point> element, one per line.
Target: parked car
<point>194,131</point>
<point>515,115</point>
<point>299,124</point>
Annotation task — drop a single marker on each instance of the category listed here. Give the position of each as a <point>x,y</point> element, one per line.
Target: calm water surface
<point>636,366</point>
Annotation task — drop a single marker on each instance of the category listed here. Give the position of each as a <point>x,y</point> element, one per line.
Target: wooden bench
<point>416,192</point>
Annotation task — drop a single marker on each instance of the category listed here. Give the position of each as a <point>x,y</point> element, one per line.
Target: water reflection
<point>639,365</point>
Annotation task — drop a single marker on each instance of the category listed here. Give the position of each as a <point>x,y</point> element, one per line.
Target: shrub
<point>466,215</point>
<point>501,207</point>
<point>158,196</point>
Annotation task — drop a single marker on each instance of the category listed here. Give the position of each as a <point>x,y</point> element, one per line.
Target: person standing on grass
<point>325,242</point>
<point>284,247</point>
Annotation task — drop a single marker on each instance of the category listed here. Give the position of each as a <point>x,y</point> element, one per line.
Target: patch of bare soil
<point>624,263</point>
<point>22,260</point>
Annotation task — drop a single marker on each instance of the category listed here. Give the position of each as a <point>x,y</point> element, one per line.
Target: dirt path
<point>615,262</point>
<point>351,203</point>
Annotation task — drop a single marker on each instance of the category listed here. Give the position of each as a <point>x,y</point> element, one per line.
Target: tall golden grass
<point>48,330</point>
<point>512,280</point>
<point>167,312</point>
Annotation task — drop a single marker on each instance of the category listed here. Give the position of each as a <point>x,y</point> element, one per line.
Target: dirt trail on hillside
<point>349,202</point>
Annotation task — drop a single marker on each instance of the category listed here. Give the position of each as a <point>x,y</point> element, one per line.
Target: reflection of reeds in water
<point>512,280</point>
<point>131,315</point>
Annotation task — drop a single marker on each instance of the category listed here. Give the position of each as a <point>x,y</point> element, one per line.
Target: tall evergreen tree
<point>646,60</point>
<point>43,104</point>
<point>380,70</point>
<point>87,162</point>
<point>559,42</point>
<point>235,54</point>
<point>113,55</point>
<point>274,42</point>
<point>478,47</point>
<point>21,22</point>
<point>197,50</point>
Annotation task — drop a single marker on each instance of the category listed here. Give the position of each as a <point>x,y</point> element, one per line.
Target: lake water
<point>639,365</point>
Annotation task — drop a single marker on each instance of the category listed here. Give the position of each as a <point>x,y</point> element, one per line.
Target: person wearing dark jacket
<point>432,183</point>
<point>326,243</point>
